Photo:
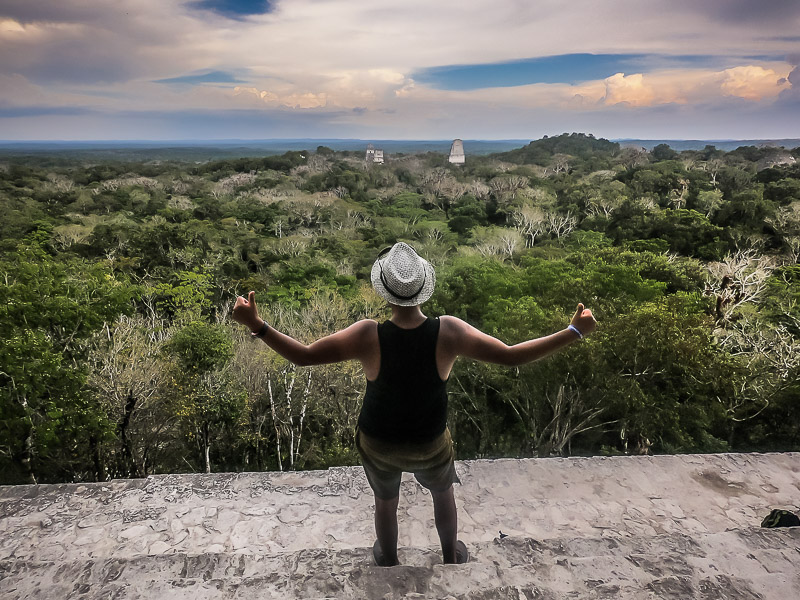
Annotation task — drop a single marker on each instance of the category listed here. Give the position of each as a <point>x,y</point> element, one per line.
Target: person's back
<point>407,361</point>
<point>407,402</point>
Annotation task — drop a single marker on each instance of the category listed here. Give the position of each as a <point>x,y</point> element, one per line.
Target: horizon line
<point>321,139</point>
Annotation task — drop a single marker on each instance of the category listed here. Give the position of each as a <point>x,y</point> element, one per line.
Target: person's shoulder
<point>451,327</point>
<point>364,326</point>
<point>452,322</point>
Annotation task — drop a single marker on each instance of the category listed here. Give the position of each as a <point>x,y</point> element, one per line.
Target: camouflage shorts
<point>384,463</point>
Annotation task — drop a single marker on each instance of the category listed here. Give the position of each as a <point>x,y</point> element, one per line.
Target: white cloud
<point>691,86</point>
<point>314,56</point>
<point>10,27</point>
<point>753,82</point>
<point>306,100</point>
<point>630,90</point>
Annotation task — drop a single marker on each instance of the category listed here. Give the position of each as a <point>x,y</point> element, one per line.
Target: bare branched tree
<point>60,183</point>
<point>561,225</point>
<point>65,236</point>
<point>633,157</point>
<point>128,376</point>
<point>786,224</point>
<point>571,417</point>
<point>479,189</point>
<point>738,279</point>
<point>677,196</point>
<point>501,242</point>
<point>560,163</point>
<point>771,359</point>
<point>530,222</point>
<point>600,205</point>
<point>227,185</point>
<point>508,183</point>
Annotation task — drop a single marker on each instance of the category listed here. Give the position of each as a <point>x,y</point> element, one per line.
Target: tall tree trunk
<point>275,424</point>
<point>731,434</point>
<point>26,459</point>
<point>206,448</point>
<point>306,394</point>
<point>289,387</point>
<point>128,467</point>
<point>94,449</point>
<point>26,456</point>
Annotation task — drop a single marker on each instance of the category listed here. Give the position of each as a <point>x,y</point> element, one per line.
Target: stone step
<point>642,566</point>
<point>287,512</point>
<point>623,527</point>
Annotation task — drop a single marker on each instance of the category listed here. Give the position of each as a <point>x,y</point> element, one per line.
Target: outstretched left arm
<point>351,343</point>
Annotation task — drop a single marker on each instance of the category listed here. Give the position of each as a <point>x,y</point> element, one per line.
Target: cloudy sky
<point>399,69</point>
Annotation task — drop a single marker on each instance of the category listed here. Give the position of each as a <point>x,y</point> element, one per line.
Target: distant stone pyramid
<point>374,155</point>
<point>456,153</point>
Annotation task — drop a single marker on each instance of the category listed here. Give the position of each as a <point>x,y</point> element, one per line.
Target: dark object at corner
<point>780,518</point>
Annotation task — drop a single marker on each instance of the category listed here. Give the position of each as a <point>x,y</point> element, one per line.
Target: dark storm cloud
<point>39,111</point>
<point>88,42</point>
<point>76,61</point>
<point>26,11</point>
<point>745,12</point>
<point>790,98</point>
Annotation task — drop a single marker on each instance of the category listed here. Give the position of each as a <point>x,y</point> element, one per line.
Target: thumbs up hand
<point>583,320</point>
<point>246,312</point>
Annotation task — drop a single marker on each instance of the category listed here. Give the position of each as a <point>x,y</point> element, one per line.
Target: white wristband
<point>572,327</point>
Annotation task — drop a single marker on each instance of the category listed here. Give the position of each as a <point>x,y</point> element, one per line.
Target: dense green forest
<point>119,358</point>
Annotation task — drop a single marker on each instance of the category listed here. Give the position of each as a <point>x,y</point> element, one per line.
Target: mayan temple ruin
<point>456,153</point>
<point>677,527</point>
<point>374,155</point>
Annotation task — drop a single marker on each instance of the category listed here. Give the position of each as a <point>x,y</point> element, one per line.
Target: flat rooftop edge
<point>626,527</point>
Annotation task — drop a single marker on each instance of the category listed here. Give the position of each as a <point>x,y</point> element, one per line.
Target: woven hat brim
<point>424,294</point>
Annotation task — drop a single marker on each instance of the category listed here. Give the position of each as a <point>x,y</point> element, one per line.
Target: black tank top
<point>407,402</point>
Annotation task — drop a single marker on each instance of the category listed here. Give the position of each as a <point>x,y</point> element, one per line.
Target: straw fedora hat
<point>402,277</point>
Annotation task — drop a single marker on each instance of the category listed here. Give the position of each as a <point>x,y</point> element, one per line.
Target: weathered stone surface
<point>625,527</point>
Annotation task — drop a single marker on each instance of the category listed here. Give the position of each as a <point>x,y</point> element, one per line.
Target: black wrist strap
<point>262,330</point>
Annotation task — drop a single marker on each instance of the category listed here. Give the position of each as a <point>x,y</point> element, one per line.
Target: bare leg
<point>444,513</point>
<point>386,528</point>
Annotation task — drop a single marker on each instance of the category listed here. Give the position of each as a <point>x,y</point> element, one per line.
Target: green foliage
<point>49,308</point>
<point>580,145</point>
<point>200,347</point>
<point>188,298</point>
<point>223,168</point>
<point>640,248</point>
<point>663,152</point>
<point>647,357</point>
<point>686,232</point>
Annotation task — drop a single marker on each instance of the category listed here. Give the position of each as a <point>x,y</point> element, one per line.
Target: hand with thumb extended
<point>246,312</point>
<point>584,320</point>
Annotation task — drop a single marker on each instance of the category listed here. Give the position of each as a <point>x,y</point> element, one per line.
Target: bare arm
<point>462,339</point>
<point>351,343</point>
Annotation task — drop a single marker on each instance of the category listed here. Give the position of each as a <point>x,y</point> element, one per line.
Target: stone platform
<point>626,527</point>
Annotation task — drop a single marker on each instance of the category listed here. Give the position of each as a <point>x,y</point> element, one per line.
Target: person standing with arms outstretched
<point>407,361</point>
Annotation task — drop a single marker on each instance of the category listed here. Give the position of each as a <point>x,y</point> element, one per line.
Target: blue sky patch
<point>236,9</point>
<point>201,78</point>
<point>562,68</point>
